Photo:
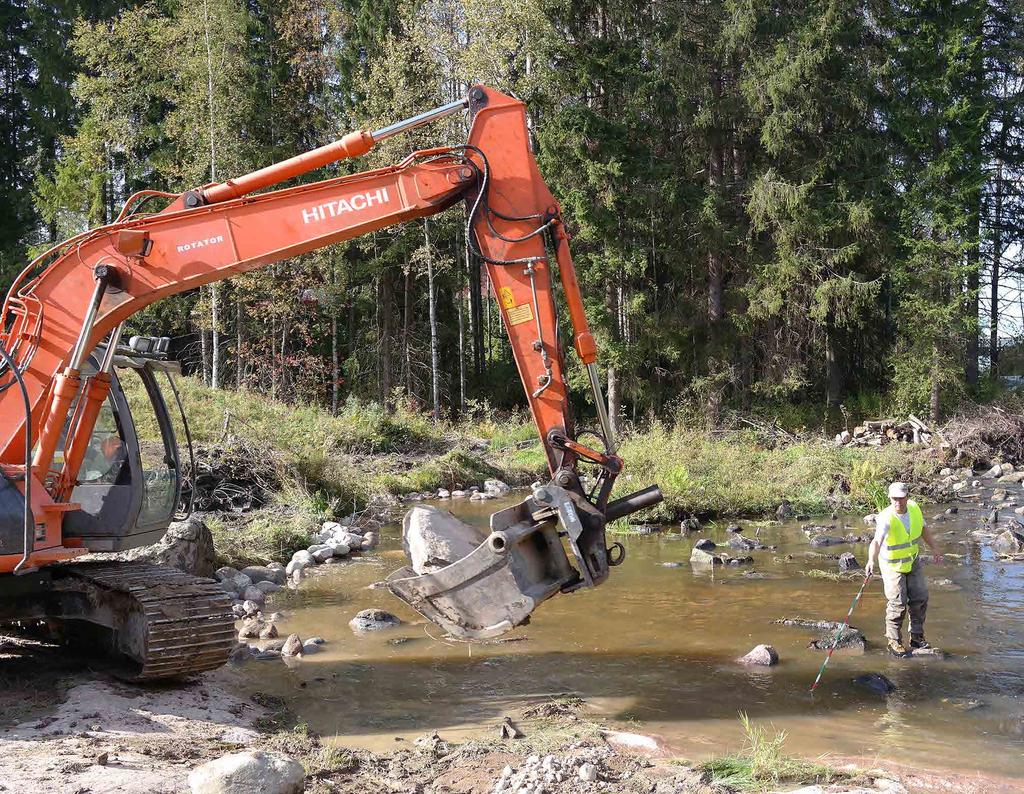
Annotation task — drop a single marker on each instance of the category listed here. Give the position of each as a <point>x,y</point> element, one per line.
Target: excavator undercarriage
<point>145,621</point>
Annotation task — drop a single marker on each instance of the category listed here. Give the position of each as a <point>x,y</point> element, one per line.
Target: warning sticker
<point>520,314</point>
<point>507,299</point>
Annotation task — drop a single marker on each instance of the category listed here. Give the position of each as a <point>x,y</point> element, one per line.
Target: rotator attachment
<point>522,563</point>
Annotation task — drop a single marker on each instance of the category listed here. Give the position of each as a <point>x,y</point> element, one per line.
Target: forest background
<point>803,209</point>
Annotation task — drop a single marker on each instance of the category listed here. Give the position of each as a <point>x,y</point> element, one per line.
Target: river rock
<point>994,472</point>
<point>250,608</point>
<point>734,528</point>
<point>292,646</point>
<point>253,593</point>
<point>267,654</point>
<point>370,541</point>
<point>351,539</point>
<point>248,773</point>
<point>944,584</point>
<point>870,519</point>
<point>339,548</point>
<point>268,632</point>
<point>827,540</point>
<point>373,620</point>
<point>875,682</point>
<point>496,487</point>
<point>238,610</point>
<point>763,655</point>
<point>481,496</point>
<point>186,545</point>
<point>850,639</point>
<point>847,562</point>
<point>324,553</point>
<point>741,543</point>
<point>434,538</point>
<point>784,512</point>
<point>736,561</point>
<point>267,587</point>
<point>705,544</point>
<point>309,647</point>
<point>690,524</point>
<point>1009,542</point>
<point>226,573</point>
<point>300,559</point>
<point>263,573</point>
<point>250,629</point>
<point>1017,476</point>
<point>701,557</point>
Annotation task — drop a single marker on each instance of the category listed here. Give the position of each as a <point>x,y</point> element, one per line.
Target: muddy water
<point>654,646</point>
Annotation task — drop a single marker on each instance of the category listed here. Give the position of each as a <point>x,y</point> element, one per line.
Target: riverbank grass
<point>763,763</point>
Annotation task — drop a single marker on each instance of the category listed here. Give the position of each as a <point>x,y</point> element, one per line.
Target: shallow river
<point>654,647</point>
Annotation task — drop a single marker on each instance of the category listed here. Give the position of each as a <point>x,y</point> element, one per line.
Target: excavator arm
<point>78,296</point>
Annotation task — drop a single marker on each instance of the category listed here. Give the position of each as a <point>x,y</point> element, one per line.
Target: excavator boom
<point>75,298</point>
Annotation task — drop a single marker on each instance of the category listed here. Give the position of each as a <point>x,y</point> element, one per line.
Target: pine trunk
<point>435,349</point>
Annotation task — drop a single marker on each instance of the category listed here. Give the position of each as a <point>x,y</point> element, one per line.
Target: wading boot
<point>918,642</point>
<point>897,649</point>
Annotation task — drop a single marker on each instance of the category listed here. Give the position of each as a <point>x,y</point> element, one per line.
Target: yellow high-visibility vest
<point>901,545</point>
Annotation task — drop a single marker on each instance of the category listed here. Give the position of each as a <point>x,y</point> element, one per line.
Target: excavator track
<point>161,622</point>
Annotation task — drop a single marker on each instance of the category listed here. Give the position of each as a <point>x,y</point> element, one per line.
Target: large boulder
<point>763,655</point>
<point>249,773</point>
<point>701,557</point>
<point>434,538</point>
<point>186,545</point>
<point>1009,542</point>
<point>847,562</point>
<point>496,487</point>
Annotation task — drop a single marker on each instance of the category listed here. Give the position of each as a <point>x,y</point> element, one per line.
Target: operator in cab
<point>899,529</point>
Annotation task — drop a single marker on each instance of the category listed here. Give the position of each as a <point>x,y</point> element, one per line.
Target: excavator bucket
<point>522,563</point>
<point>496,586</point>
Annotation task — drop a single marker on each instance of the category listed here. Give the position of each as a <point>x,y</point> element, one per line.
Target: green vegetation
<point>739,474</point>
<point>762,764</point>
<point>332,465</point>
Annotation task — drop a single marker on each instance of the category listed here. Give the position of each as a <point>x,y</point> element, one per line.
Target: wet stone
<point>1009,542</point>
<point>850,639</point>
<point>373,620</point>
<point>875,682</point>
<point>762,655</point>
<point>705,544</point>
<point>689,525</point>
<point>827,540</point>
<point>734,528</point>
<point>847,562</point>
<point>741,543</point>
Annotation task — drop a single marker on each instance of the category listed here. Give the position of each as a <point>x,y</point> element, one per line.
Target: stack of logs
<point>876,432</point>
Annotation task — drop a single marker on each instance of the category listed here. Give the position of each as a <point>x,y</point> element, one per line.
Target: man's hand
<point>869,569</point>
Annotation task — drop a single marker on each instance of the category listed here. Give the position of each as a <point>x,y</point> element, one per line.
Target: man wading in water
<point>898,530</point>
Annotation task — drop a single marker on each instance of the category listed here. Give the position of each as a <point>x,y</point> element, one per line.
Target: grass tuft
<point>763,763</point>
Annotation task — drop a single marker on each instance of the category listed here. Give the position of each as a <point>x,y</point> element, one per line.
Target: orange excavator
<point>76,478</point>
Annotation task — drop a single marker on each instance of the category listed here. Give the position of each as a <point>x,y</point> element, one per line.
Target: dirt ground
<point>68,729</point>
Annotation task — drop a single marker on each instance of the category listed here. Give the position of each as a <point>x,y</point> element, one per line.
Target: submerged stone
<point>373,620</point>
<point>875,682</point>
<point>763,655</point>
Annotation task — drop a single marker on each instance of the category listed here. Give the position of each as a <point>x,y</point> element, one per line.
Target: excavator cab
<point>129,488</point>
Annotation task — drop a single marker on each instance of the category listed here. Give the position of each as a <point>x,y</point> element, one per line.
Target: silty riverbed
<point>655,646</point>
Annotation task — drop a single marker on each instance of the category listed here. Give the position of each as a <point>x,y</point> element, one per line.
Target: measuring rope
<point>839,634</point>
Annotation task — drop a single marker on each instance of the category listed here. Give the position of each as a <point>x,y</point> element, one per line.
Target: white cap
<point>898,490</point>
